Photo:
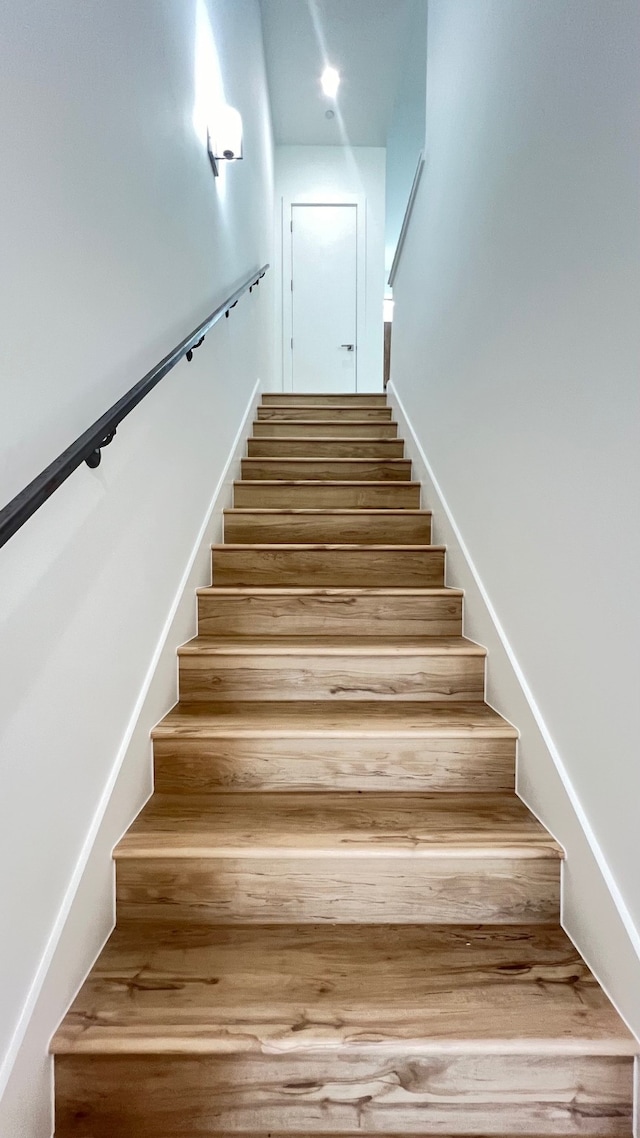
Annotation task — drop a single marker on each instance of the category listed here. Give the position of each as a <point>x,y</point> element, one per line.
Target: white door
<point>324,280</point>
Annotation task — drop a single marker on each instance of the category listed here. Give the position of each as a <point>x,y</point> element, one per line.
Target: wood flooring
<point>334,915</point>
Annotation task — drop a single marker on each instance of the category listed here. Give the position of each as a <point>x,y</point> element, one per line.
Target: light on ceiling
<point>330,81</point>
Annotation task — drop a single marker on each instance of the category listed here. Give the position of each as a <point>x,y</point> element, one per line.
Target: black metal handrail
<point>87,447</point>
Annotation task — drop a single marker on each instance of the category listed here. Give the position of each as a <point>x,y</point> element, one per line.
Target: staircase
<point>334,916</point>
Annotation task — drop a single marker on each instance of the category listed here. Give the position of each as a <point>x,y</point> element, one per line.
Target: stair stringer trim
<point>87,914</point>
<point>594,913</point>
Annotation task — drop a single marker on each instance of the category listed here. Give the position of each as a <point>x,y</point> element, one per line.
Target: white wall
<point>406,137</point>
<point>115,241</point>
<point>324,173</point>
<point>515,353</point>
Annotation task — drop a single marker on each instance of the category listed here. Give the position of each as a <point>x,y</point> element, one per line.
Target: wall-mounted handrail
<point>406,219</point>
<point>87,447</point>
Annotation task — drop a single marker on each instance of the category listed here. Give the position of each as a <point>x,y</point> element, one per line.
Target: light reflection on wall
<point>208,85</point>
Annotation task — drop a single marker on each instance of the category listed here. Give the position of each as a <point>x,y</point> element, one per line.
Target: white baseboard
<point>87,914</point>
<point>637,1097</point>
<point>594,913</point>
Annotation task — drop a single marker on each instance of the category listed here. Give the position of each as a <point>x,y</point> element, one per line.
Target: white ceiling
<point>364,39</point>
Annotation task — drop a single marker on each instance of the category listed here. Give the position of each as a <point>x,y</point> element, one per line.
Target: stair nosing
<point>322,438</point>
<point>351,422</point>
<point>331,590</point>
<point>518,851</point>
<point>319,439</point>
<point>320,458</point>
<point>349,511</point>
<point>332,484</point>
<point>210,721</point>
<point>314,422</point>
<point>328,546</point>
<point>126,1043</point>
<point>312,645</point>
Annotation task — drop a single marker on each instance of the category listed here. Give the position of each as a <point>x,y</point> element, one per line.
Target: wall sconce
<point>224,139</point>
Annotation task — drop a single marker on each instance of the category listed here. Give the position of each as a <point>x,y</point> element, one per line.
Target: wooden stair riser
<point>214,765</point>
<point>316,677</point>
<point>292,399</point>
<point>326,495</point>
<point>387,527</point>
<point>306,888</point>
<point>325,613</point>
<point>290,1096</point>
<point>325,411</point>
<point>325,448</point>
<point>325,428</point>
<point>327,469</point>
<point>331,566</point>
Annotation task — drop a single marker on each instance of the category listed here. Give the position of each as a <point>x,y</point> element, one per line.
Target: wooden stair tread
<point>313,439</point>
<point>321,718</point>
<point>327,469</point>
<point>322,398</point>
<point>280,547</point>
<point>262,482</point>
<point>329,591</point>
<point>349,462</point>
<point>342,824</point>
<point>321,438</point>
<point>321,441</point>
<point>311,522</point>
<point>324,411</point>
<point>331,646</point>
<point>328,426</point>
<point>311,409</point>
<point>287,989</point>
<point>284,397</point>
<point>323,403</point>
<point>322,511</point>
<point>337,419</point>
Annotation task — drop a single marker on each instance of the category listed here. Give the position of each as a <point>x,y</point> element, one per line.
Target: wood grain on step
<point>328,469</point>
<point>299,399</point>
<point>292,720</point>
<point>325,448</point>
<point>389,647</point>
<point>286,858</point>
<point>518,990</point>
<point>325,411</point>
<point>428,827</point>
<point>326,495</point>
<point>145,1096</point>
<point>145,1064</point>
<point>334,915</point>
<point>216,764</point>
<point>325,428</point>
<point>317,612</point>
<point>328,565</point>
<point>309,668</point>
<point>509,888</point>
<point>330,746</point>
<point>381,527</point>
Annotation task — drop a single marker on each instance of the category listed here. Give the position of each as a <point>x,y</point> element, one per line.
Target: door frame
<point>288,201</point>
